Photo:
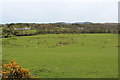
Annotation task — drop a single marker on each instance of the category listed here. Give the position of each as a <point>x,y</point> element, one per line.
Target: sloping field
<point>65,55</point>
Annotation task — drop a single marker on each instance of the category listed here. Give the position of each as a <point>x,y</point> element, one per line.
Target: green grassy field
<point>65,55</point>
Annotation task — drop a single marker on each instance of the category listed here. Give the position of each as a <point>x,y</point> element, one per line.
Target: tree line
<point>8,30</point>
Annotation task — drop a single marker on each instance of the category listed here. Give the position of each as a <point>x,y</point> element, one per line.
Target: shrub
<point>13,70</point>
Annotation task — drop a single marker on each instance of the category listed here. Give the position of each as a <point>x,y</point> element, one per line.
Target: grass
<point>65,55</point>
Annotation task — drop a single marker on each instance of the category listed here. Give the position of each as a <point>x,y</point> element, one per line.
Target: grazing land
<point>65,55</point>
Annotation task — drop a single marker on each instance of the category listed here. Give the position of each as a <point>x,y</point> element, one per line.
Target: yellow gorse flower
<point>13,70</point>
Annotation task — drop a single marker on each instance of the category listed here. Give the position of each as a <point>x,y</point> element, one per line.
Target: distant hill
<point>83,22</point>
<point>60,23</point>
<point>73,23</point>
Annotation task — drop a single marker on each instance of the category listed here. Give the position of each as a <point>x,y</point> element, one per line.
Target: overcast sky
<point>46,11</point>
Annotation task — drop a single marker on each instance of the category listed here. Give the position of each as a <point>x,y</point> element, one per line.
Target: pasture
<point>65,55</point>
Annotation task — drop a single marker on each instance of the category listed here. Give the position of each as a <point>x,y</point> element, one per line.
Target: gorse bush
<point>13,70</point>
